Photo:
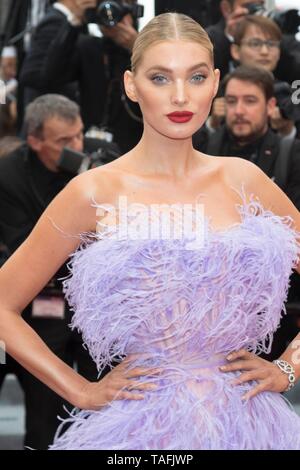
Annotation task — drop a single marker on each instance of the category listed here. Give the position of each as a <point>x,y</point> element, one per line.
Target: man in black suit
<point>29,180</point>
<point>63,52</point>
<point>222,33</point>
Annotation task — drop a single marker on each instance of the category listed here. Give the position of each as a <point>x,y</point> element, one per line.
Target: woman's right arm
<point>24,275</point>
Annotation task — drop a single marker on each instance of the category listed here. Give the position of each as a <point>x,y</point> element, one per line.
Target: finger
<point>261,387</point>
<point>240,353</point>
<point>141,386</point>
<point>123,26</point>
<point>124,395</point>
<point>127,361</point>
<point>134,356</point>
<point>141,372</point>
<point>248,377</point>
<point>238,365</point>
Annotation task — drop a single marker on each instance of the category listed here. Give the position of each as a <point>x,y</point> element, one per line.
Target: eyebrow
<point>243,96</point>
<point>63,137</point>
<point>165,69</point>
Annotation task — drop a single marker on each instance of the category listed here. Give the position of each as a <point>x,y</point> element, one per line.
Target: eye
<point>63,142</point>
<point>198,78</point>
<point>159,79</point>
<point>230,101</point>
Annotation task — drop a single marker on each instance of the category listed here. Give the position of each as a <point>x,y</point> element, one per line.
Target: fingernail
<point>223,367</point>
<point>229,357</point>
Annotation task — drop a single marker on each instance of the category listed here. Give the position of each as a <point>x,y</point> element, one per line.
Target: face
<point>8,67</point>
<point>57,134</point>
<point>251,53</point>
<point>174,77</point>
<point>247,110</point>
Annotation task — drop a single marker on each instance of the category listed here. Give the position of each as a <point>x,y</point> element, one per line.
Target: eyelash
<point>155,77</point>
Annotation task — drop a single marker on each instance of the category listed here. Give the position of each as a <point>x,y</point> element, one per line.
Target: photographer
<point>223,32</point>
<point>257,44</point>
<point>62,52</point>
<point>29,180</point>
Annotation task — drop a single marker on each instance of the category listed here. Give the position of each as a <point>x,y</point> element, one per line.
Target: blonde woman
<point>185,314</point>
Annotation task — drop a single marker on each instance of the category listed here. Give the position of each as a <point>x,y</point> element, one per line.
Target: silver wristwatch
<point>289,370</point>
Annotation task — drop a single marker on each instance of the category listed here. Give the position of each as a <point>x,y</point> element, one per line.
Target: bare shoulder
<point>74,206</point>
<point>242,174</point>
<point>239,171</point>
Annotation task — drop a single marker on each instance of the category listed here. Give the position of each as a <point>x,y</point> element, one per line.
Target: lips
<point>180,116</point>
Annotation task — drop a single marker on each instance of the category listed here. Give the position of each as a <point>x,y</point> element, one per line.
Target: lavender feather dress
<point>184,310</point>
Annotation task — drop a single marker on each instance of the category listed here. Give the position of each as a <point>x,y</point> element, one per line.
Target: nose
<point>179,93</point>
<point>239,108</point>
<point>264,49</point>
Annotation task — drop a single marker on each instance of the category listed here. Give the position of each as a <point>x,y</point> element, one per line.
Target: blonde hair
<point>167,27</point>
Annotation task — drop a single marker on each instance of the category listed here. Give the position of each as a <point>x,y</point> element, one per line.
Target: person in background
<point>8,74</point>
<point>222,36</point>
<point>63,52</point>
<point>257,44</point>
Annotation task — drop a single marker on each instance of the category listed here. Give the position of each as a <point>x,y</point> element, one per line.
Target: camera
<point>74,163</point>
<point>255,8</point>
<point>288,21</point>
<point>283,94</point>
<point>111,13</point>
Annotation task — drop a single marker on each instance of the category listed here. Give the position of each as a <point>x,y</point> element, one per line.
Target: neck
<point>159,155</point>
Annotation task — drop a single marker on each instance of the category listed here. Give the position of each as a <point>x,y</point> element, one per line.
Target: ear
<point>217,81</point>
<point>235,52</point>
<point>225,8</point>
<point>34,143</point>
<point>129,85</point>
<point>271,104</point>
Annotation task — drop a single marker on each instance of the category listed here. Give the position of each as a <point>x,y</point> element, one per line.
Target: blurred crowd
<point>62,64</point>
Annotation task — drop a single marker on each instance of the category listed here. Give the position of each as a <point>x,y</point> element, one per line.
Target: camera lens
<point>110,13</point>
<point>254,8</point>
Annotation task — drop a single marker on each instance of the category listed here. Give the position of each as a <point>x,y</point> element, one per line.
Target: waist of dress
<point>176,361</point>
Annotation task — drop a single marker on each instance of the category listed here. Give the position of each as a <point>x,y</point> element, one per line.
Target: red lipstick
<point>180,116</point>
